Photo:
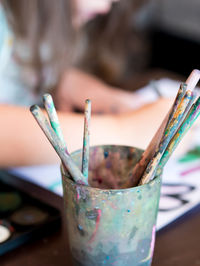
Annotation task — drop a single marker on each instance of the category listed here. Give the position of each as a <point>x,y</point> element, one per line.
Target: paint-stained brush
<point>181,92</point>
<point>191,102</point>
<point>176,118</point>
<point>155,142</point>
<point>189,120</point>
<point>67,161</point>
<point>86,138</point>
<point>150,151</point>
<point>53,118</point>
<point>172,128</point>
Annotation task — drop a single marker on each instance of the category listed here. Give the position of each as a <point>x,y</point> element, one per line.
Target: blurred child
<point>37,50</point>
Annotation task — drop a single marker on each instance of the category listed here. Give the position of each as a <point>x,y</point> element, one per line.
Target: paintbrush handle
<point>191,102</point>
<point>86,138</point>
<point>53,118</point>
<point>193,79</point>
<point>179,110</point>
<point>172,128</point>
<point>185,126</point>
<point>175,121</point>
<point>74,171</point>
<point>148,154</point>
<point>181,92</point>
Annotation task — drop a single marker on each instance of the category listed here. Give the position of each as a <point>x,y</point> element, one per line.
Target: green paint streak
<point>191,155</point>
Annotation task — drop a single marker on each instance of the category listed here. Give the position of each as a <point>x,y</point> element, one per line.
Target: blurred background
<point>138,36</point>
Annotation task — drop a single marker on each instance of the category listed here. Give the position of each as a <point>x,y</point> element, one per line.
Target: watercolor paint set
<point>22,217</point>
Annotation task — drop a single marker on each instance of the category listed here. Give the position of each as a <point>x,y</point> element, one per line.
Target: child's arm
<point>76,86</point>
<point>23,143</point>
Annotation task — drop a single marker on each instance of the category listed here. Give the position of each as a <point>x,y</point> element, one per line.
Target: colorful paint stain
<point>108,226</point>
<point>191,155</point>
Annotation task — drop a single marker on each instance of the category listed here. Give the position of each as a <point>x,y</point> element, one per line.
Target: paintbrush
<point>168,134</point>
<point>86,138</point>
<point>150,151</point>
<point>53,118</point>
<point>189,120</point>
<point>175,120</point>
<point>67,161</point>
<point>154,144</point>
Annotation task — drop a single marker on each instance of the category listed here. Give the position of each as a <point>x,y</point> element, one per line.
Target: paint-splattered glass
<point>108,225</point>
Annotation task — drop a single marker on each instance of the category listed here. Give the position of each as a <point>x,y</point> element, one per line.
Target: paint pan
<point>108,225</point>
<point>9,201</point>
<point>23,218</point>
<point>28,216</point>
<point>6,231</point>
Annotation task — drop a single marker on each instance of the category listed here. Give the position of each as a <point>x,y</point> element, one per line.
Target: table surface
<point>176,245</point>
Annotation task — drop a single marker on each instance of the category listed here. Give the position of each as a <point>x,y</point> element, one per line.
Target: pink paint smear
<point>189,171</point>
<point>97,226</point>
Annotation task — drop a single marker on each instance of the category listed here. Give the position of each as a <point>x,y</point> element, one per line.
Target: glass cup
<point>108,225</point>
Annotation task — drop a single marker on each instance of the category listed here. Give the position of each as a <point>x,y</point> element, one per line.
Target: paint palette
<point>22,217</point>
